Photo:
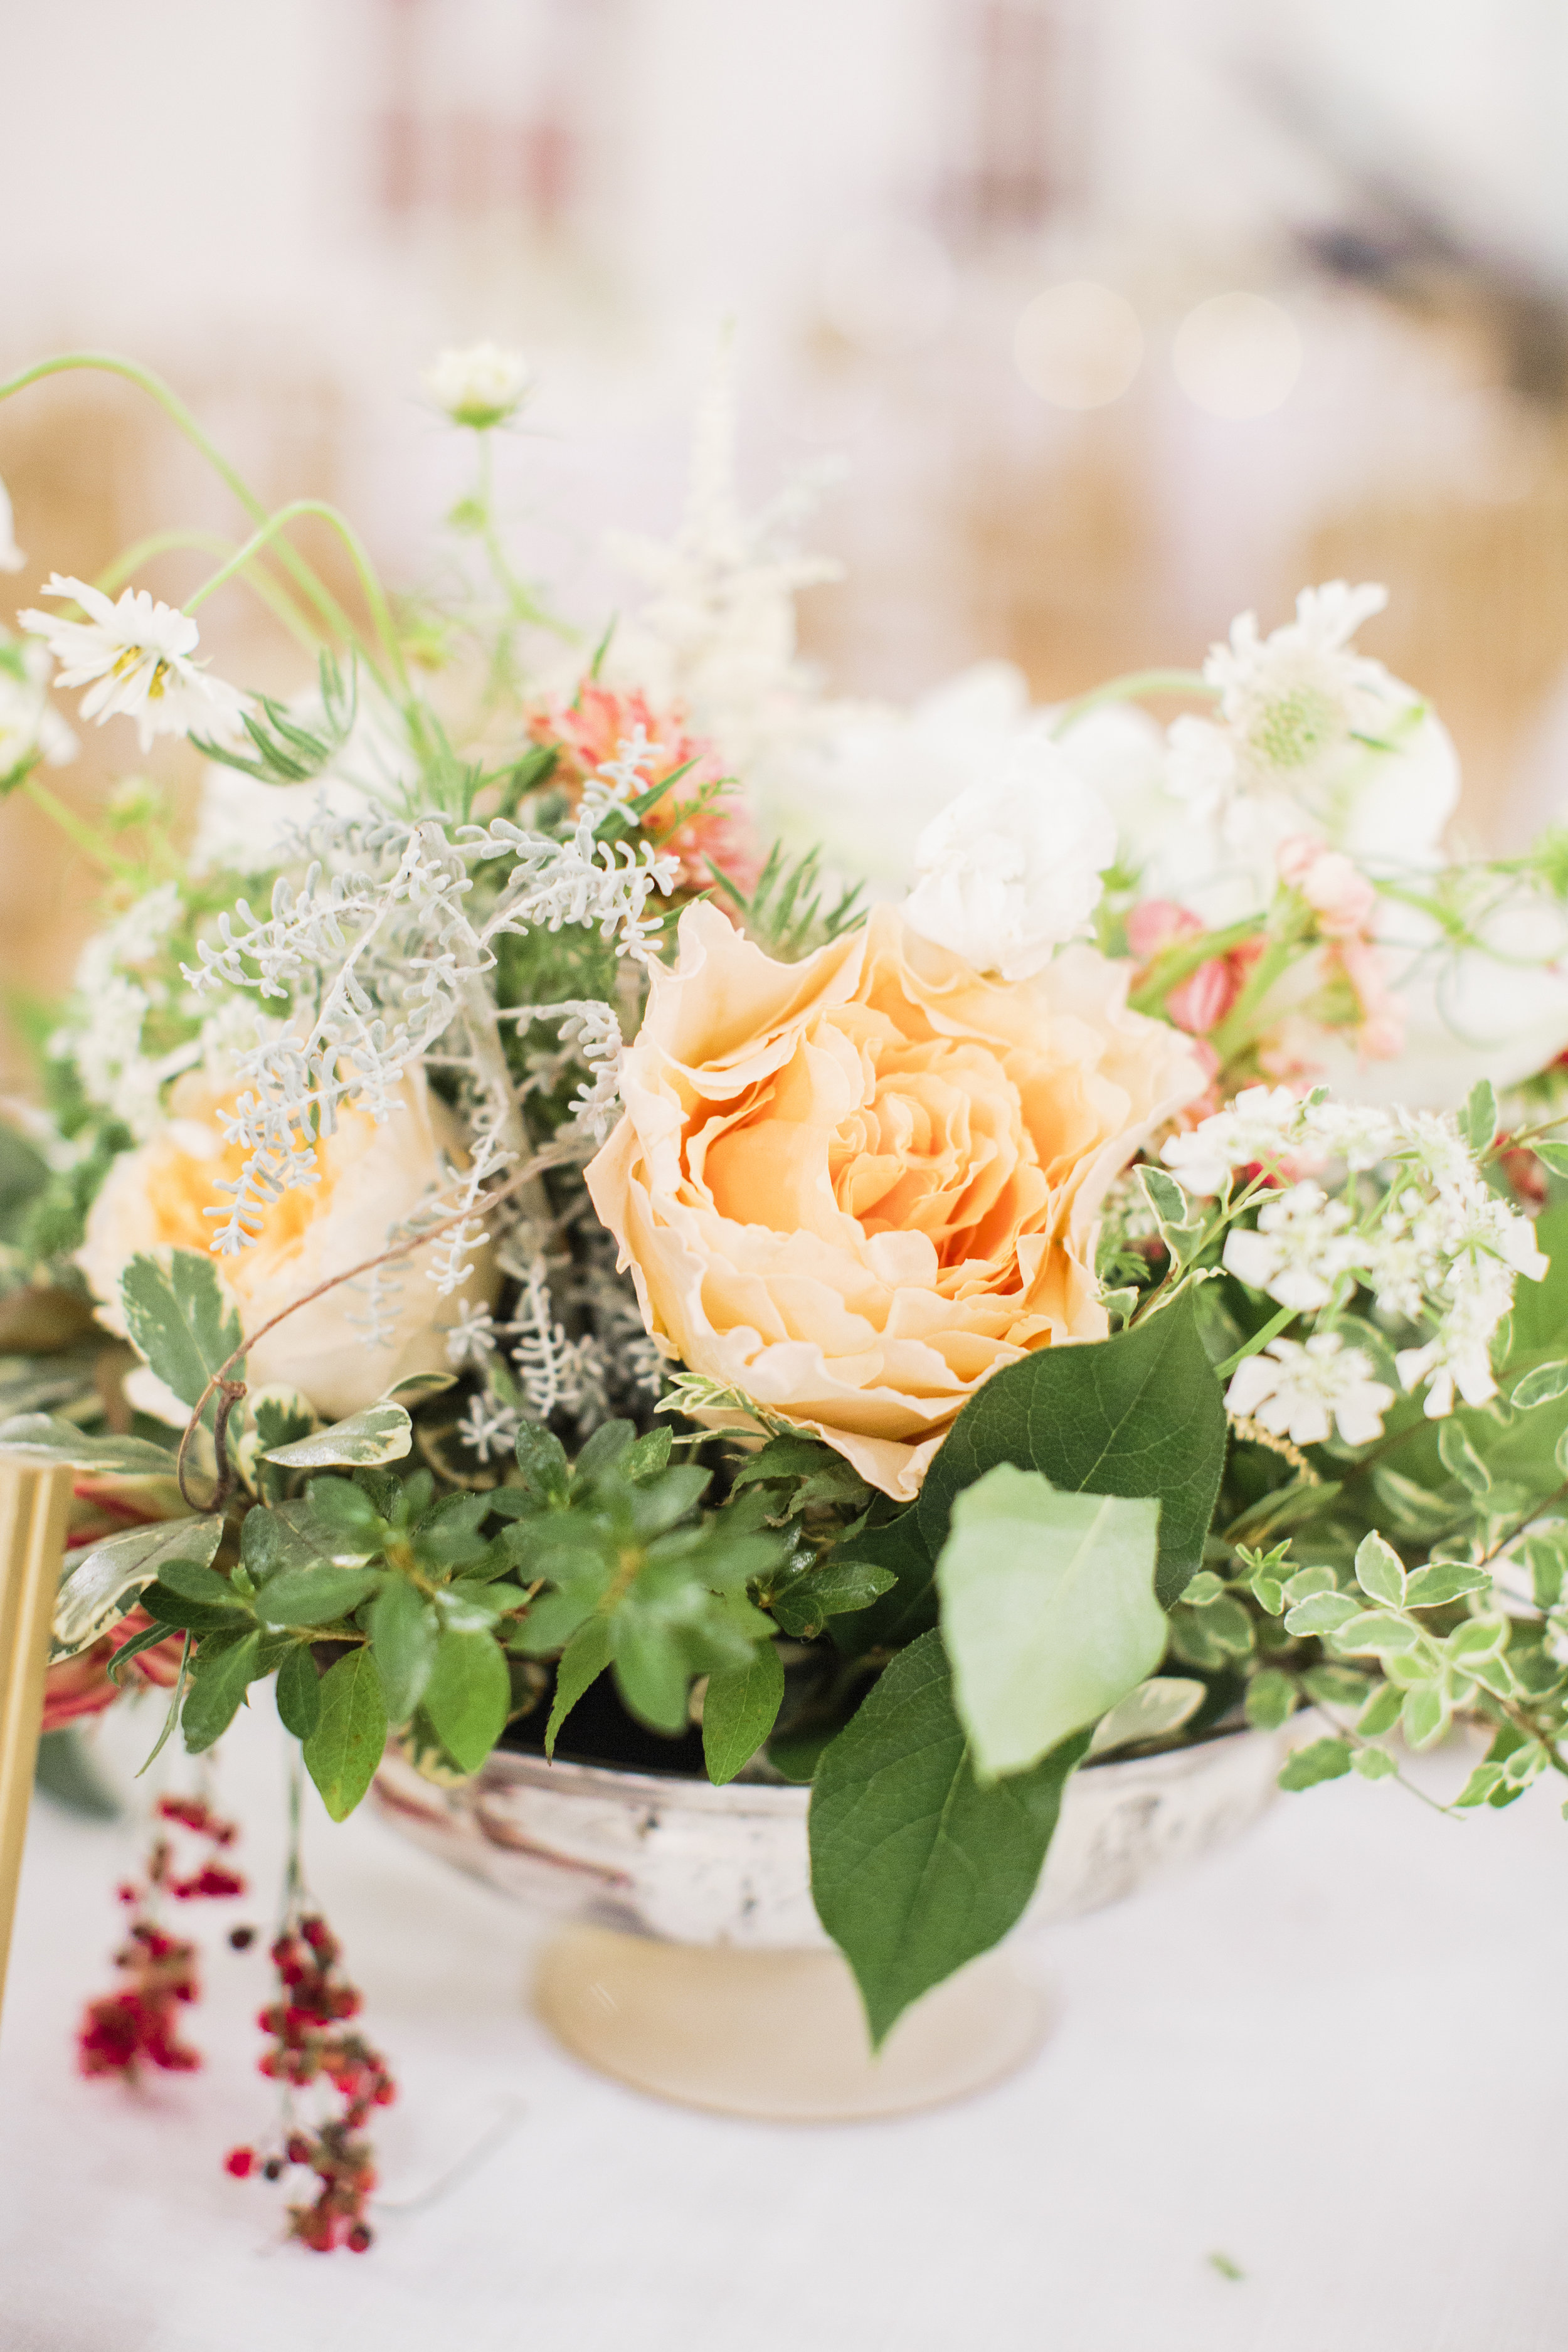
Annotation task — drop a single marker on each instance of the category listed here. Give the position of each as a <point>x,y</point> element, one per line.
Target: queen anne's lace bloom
<point>1297,1389</point>
<point>134,657</point>
<point>1299,1249</point>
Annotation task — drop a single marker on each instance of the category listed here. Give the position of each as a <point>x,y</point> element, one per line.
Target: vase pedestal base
<point>779,2035</point>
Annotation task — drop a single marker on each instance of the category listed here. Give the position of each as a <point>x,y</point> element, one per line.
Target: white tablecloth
<point>1293,2058</point>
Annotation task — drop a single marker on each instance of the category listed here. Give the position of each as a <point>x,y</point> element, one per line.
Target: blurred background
<point>1098,320</point>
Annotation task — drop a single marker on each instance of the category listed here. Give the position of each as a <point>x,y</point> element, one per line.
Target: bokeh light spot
<point>1079,345</point>
<point>1238,355</point>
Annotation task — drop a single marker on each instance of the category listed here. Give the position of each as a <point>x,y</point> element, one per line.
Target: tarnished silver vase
<point>696,1966</point>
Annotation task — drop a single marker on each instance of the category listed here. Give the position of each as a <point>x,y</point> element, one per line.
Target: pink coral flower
<point>1203,998</point>
<point>1332,885</point>
<point>1158,923</point>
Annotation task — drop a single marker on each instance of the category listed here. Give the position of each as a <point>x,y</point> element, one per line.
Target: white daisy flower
<point>31,728</point>
<point>1298,1392</point>
<point>480,385</point>
<point>11,556</point>
<point>135,658</point>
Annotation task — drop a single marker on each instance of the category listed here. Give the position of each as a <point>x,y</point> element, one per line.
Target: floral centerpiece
<point>565,1243</point>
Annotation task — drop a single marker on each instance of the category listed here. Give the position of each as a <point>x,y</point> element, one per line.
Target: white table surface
<point>1290,2057</point>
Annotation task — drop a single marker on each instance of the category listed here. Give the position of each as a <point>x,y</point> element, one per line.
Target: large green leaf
<point>403,1632</point>
<point>107,1577</point>
<point>1048,1611</point>
<point>314,1596</point>
<point>382,1432</point>
<point>1140,1414</point>
<point>39,1438</point>
<point>467,1695</point>
<point>344,1750</point>
<point>583,1661</point>
<point>183,1319</point>
<point>221,1672</point>
<point>915,1865</point>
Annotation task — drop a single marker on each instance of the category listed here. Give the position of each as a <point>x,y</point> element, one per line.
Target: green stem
<point>1173,965</point>
<point>108,363</point>
<point>375,597</point>
<point>1260,1339</point>
<point>1236,1030</point>
<point>1127,690</point>
<point>207,543</point>
<point>81,836</point>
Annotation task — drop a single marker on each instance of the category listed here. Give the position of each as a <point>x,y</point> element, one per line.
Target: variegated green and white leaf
<point>39,1437</point>
<point>382,1432</point>
<point>110,1575</point>
<point>1157,1707</point>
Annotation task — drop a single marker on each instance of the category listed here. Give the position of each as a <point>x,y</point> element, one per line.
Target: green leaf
<point>1376,1632</point>
<point>1479,1117</point>
<point>1460,1459</point>
<point>541,1458</point>
<point>1380,1712</point>
<point>204,1614</point>
<point>1544,1385</point>
<point>1380,1572</point>
<point>183,1320</point>
<point>1479,1786</point>
<point>1048,1611</point>
<point>382,1432</point>
<point>1445,1580</point>
<point>1335,1686</point>
<point>1414,1509</point>
<point>1374,1763</point>
<point>403,1635</point>
<point>1167,1198</point>
<point>38,1438</point>
<point>343,1752</point>
<point>1308,1581</point>
<point>469,1696</point>
<point>299,1694</point>
<point>1152,1711</point>
<point>739,1710</point>
<point>804,1605</point>
<point>1270,1700</point>
<point>148,1639</point>
<point>915,1867</point>
<point>1203,1589</point>
<point>1321,1759</point>
<point>1426,1715</point>
<point>314,1596</point>
<point>1138,1416</point>
<point>583,1661</point>
<point>218,1680</point>
<point>1323,1612</point>
<point>652,1671</point>
<point>1478,1637</point>
<point>107,1576</point>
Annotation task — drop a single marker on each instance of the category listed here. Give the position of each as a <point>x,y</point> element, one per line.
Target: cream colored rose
<point>856,1186</point>
<point>371,1178</point>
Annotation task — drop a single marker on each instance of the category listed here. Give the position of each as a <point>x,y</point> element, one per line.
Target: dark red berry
<point>241,1939</point>
<point>361,2238</point>
<point>240,2161</point>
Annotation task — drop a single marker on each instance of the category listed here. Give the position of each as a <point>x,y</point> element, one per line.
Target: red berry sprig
<point>310,2045</point>
<point>138,2025</point>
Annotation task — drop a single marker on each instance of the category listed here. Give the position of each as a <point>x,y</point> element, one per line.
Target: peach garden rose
<point>855,1187</point>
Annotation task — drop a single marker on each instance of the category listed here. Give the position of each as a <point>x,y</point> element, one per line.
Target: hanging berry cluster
<point>311,2045</point>
<point>138,2025</point>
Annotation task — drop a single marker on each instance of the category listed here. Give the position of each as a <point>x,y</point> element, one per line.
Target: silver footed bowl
<point>668,1855</point>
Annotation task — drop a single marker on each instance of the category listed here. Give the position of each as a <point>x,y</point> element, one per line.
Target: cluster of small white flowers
<point>30,728</point>
<point>1300,1390</point>
<point>1288,703</point>
<point>134,656</point>
<point>1435,1243</point>
<point>113,996</point>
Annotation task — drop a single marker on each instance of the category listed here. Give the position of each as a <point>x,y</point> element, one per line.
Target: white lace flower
<point>1296,1390</point>
<point>1299,1249</point>
<point>480,385</point>
<point>11,556</point>
<point>135,658</point>
<point>30,726</point>
<point>1012,867</point>
<point>1264,1124</point>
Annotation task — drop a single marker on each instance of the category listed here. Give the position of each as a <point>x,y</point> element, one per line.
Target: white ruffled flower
<point>480,385</point>
<point>1296,1390</point>
<point>1299,1249</point>
<point>30,726</point>
<point>1012,868</point>
<point>1290,702</point>
<point>135,656</point>
<point>11,556</point>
